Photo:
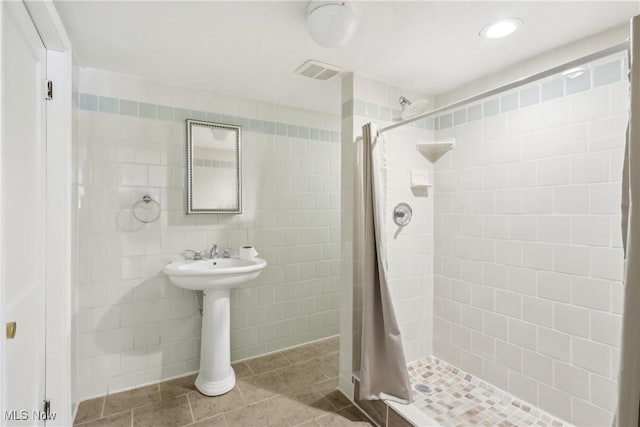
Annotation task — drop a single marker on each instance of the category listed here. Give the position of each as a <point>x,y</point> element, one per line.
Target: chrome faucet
<point>213,252</point>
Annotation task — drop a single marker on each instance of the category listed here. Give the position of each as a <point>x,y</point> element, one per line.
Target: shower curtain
<point>383,368</point>
<point>628,410</point>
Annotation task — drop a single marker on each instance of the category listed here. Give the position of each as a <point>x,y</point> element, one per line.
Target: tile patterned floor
<point>458,398</point>
<point>296,387</point>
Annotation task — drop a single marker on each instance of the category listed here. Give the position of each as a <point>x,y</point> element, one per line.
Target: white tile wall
<point>539,304</point>
<point>135,327</point>
<point>410,249</point>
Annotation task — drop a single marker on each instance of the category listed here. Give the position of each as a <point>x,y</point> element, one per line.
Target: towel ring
<point>146,199</point>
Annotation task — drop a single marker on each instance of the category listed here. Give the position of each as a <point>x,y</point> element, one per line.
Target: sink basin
<point>218,273</point>
<point>215,278</point>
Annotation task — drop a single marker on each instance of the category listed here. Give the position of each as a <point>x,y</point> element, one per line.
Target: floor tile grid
<point>216,420</point>
<point>315,397</point>
<point>459,398</point>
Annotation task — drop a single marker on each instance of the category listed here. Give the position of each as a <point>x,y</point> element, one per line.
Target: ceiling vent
<point>318,70</point>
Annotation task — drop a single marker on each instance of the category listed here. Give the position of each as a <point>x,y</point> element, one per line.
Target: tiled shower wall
<point>410,253</point>
<point>528,258</point>
<point>135,327</point>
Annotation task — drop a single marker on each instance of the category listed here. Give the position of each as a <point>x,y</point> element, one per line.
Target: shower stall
<point>507,283</point>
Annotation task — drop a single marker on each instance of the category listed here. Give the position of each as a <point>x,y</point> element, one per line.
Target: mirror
<point>213,168</point>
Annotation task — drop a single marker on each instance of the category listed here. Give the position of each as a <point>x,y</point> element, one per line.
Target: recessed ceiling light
<point>572,73</point>
<point>500,29</point>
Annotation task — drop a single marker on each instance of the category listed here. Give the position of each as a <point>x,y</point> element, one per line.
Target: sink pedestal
<point>216,375</point>
<point>215,277</point>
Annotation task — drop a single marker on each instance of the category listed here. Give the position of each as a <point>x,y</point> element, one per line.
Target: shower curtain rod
<point>520,82</point>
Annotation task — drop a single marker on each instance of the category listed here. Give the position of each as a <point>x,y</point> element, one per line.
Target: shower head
<point>413,109</point>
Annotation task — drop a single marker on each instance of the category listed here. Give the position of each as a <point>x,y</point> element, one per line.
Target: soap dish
<point>433,150</point>
<point>420,179</point>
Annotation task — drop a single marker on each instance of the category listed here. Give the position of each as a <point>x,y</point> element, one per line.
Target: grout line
<point>248,367</point>
<point>193,417</point>
<point>240,393</point>
<point>104,405</point>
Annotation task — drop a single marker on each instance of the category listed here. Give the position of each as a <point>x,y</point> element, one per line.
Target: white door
<point>22,234</point>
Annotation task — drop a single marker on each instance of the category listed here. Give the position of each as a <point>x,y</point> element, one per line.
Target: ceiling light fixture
<point>331,23</point>
<point>500,29</point>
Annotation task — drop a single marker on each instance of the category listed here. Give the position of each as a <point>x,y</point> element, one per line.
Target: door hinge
<point>47,409</point>
<point>49,90</point>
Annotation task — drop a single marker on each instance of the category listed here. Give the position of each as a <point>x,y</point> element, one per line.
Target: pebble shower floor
<point>454,397</point>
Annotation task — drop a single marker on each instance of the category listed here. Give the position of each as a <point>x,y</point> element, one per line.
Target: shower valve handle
<point>402,214</point>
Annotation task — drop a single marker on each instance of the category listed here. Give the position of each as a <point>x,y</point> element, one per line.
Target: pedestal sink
<point>215,278</point>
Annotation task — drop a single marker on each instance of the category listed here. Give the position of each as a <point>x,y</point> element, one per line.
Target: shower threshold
<point>444,395</point>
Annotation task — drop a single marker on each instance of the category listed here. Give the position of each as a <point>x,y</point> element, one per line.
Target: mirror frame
<point>189,169</point>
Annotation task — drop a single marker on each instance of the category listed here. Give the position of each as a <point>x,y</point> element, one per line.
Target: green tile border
<point>127,107</point>
<point>597,74</point>
<point>358,107</point>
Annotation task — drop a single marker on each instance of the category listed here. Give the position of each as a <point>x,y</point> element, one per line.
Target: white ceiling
<point>251,48</point>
